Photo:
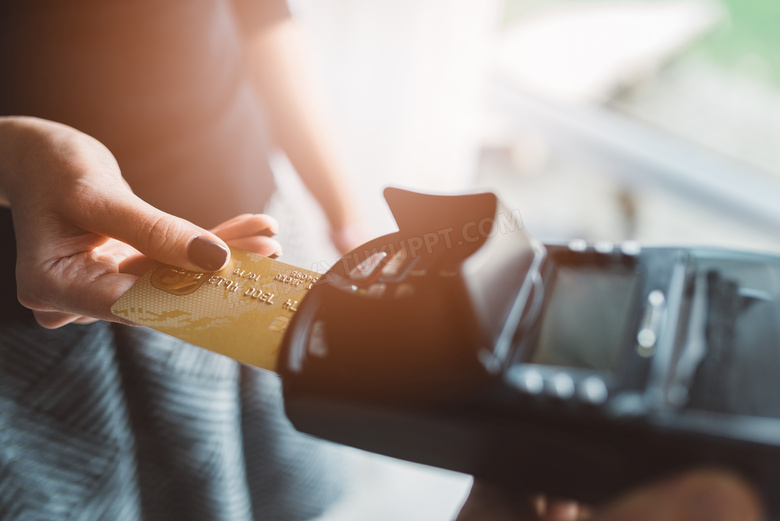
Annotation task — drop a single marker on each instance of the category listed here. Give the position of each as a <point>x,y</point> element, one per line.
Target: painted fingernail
<point>273,256</point>
<point>207,254</point>
<point>266,232</point>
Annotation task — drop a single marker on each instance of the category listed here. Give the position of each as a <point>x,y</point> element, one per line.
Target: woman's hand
<point>707,495</point>
<point>83,237</point>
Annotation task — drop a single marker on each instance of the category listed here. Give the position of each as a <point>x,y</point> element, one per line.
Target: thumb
<point>159,235</point>
<point>703,495</point>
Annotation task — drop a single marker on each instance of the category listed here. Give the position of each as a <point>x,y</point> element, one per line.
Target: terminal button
<point>561,386</point>
<point>394,267</point>
<point>647,336</point>
<point>529,381</point>
<point>365,269</point>
<point>533,382</point>
<point>631,248</point>
<point>593,390</point>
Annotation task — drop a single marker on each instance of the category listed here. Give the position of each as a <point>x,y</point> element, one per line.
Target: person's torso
<point>161,84</point>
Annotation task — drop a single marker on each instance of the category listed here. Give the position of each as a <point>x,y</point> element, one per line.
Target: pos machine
<point>576,370</point>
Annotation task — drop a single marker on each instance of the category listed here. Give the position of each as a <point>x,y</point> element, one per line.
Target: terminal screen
<point>586,318</point>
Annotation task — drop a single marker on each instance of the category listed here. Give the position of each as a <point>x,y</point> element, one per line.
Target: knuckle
<point>263,221</point>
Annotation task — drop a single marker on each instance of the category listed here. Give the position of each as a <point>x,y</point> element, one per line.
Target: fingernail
<point>207,254</point>
<point>266,232</point>
<point>273,256</point>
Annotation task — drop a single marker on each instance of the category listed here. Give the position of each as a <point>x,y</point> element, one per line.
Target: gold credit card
<point>241,311</point>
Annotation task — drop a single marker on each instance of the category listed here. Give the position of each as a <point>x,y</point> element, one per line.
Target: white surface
<point>403,81</point>
<point>384,489</point>
<point>583,53</point>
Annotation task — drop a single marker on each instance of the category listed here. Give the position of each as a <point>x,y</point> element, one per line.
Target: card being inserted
<point>241,311</point>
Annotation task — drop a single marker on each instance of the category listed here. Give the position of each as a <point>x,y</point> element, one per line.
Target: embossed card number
<point>241,311</point>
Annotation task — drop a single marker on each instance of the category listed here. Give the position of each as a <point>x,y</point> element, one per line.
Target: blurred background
<point>657,121</point>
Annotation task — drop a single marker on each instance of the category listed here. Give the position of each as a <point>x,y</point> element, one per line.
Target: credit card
<point>241,311</point>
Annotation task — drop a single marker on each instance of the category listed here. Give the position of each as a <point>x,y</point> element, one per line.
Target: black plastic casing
<point>433,364</point>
